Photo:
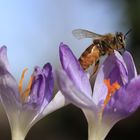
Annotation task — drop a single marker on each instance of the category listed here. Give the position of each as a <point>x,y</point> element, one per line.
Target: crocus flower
<point>115,95</point>
<point>25,107</point>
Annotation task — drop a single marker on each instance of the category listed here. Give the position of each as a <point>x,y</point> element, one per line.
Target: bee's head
<point>120,40</point>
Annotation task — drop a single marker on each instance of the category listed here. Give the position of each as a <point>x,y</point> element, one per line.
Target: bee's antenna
<point>130,30</point>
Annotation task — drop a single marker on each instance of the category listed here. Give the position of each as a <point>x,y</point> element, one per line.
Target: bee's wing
<point>81,33</point>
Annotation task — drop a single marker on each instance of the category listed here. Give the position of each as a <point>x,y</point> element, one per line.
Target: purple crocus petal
<point>126,100</point>
<point>42,87</point>
<point>38,87</point>
<point>8,87</point>
<point>3,58</point>
<point>74,71</point>
<point>70,91</point>
<point>47,71</point>
<point>130,65</point>
<point>113,68</point>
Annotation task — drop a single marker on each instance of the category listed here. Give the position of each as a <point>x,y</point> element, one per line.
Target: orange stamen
<point>111,90</point>
<point>21,81</point>
<point>25,94</point>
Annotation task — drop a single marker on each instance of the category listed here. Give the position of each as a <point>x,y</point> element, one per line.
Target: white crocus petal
<point>57,102</point>
<point>22,120</point>
<point>99,94</point>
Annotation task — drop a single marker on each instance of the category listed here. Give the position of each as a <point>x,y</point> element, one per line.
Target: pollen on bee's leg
<point>21,81</point>
<point>112,88</point>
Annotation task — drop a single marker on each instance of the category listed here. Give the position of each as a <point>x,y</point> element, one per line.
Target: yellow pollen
<point>111,90</point>
<point>26,92</point>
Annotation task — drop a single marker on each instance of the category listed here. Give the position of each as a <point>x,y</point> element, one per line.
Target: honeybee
<point>102,45</point>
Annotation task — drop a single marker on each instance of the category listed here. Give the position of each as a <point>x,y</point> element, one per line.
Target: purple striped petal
<point>47,71</point>
<point>42,87</point>
<point>74,71</point>
<point>130,65</point>
<point>113,68</point>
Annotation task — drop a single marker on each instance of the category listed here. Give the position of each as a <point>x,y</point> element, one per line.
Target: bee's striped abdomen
<point>89,56</point>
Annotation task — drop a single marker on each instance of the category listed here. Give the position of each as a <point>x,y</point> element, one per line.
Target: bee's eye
<point>120,39</point>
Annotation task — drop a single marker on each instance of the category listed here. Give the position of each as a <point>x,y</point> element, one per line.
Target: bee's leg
<point>95,68</point>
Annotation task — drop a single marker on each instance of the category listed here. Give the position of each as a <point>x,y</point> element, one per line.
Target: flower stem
<point>17,135</point>
<point>96,129</point>
<point>93,133</point>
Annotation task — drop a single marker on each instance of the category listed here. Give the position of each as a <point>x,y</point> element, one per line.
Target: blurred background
<point>32,31</point>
